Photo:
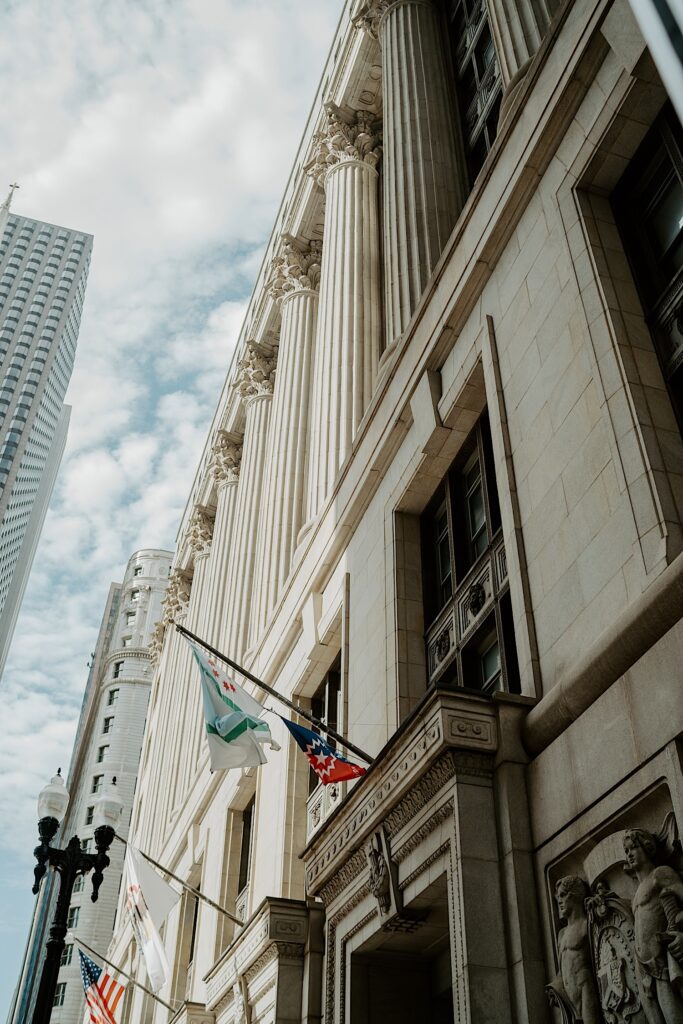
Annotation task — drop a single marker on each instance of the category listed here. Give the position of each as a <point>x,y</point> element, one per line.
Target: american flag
<point>102,993</point>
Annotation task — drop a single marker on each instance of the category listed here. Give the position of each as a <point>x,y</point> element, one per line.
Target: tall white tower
<point>107,747</point>
<point>43,274</point>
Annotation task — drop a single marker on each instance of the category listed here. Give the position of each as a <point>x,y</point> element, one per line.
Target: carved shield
<point>611,936</point>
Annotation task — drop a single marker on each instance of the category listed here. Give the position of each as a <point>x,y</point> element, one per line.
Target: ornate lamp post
<point>69,863</point>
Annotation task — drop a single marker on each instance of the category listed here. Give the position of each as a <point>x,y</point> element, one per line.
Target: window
<point>68,951</point>
<point>137,571</point>
<point>127,641</point>
<point>118,668</point>
<point>135,595</point>
<point>86,845</point>
<point>60,992</point>
<point>108,724</point>
<point>470,635</point>
<point>97,783</point>
<point>648,207</point>
<point>89,814</point>
<point>101,753</point>
<point>112,697</point>
<point>324,707</point>
<point>72,918</point>
<point>477,77</point>
<point>130,618</point>
<point>79,883</point>
<point>245,846</point>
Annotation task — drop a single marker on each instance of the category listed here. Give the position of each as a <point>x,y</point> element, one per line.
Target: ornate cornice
<point>342,141</point>
<point>255,373</point>
<point>200,531</point>
<point>296,267</point>
<point>226,457</point>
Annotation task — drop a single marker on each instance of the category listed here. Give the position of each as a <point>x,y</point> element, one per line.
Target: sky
<point>167,129</point>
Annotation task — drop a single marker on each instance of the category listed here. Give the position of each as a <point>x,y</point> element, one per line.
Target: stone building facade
<point>441,500</point>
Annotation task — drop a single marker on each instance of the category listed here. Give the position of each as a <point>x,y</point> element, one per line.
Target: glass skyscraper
<point>43,274</point>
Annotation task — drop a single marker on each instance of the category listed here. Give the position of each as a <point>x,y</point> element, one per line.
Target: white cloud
<point>167,129</point>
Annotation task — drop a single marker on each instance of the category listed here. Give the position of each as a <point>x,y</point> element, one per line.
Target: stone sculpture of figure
<point>379,883</point>
<point>658,926</point>
<point>574,989</point>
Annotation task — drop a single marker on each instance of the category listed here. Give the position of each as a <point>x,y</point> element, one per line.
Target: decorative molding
<point>255,373</point>
<point>420,834</point>
<point>226,458</point>
<point>332,926</point>
<point>156,644</point>
<point>426,864</point>
<point>342,141</point>
<point>346,874</point>
<point>200,531</point>
<point>295,268</point>
<point>441,773</point>
<point>370,13</point>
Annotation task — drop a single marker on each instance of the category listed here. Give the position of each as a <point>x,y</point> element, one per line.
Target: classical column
<point>294,280</point>
<point>518,27</point>
<point>349,321</point>
<point>225,468</point>
<point>255,379</point>
<point>424,165</point>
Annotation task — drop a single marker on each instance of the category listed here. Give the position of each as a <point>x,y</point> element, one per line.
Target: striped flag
<point>102,993</point>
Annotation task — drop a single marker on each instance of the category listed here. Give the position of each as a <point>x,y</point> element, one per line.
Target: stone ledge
<point>277,929</point>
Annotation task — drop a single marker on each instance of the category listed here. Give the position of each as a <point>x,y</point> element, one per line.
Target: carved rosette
<point>177,597</point>
<point>343,141</point>
<point>255,373</point>
<point>200,531</point>
<point>295,268</point>
<point>226,457</point>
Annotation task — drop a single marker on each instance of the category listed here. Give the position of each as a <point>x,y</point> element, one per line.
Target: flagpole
<point>186,885</point>
<point>269,689</point>
<point>127,976</point>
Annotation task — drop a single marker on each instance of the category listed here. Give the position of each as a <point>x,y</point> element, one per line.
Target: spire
<point>4,208</point>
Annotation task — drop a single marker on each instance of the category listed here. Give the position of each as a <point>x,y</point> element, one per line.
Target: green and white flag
<point>234,728</point>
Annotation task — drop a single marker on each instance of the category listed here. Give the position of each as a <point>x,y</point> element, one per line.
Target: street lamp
<point>68,863</point>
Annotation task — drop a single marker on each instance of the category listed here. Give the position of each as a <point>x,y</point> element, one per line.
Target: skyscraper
<point>43,274</point>
<point>106,748</point>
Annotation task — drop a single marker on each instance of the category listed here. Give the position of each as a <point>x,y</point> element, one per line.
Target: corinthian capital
<point>343,140</point>
<point>368,14</point>
<point>255,372</point>
<point>226,457</point>
<point>295,268</point>
<point>177,596</point>
<point>156,643</point>
<point>200,531</point>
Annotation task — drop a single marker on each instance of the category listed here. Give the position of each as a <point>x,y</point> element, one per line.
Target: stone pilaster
<point>424,165</point>
<point>225,463</point>
<point>518,27</point>
<point>348,337</point>
<point>254,382</point>
<point>294,281</point>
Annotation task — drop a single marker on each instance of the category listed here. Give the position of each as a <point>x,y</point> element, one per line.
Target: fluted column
<point>424,165</point>
<point>255,379</point>
<point>348,337</point>
<point>294,280</point>
<point>518,27</point>
<point>225,469</point>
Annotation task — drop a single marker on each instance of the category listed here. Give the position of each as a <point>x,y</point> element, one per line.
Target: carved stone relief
<point>295,268</point>
<point>226,457</point>
<point>621,958</point>
<point>343,140</point>
<point>255,372</point>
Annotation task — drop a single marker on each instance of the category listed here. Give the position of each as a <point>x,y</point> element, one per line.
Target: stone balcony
<point>262,968</point>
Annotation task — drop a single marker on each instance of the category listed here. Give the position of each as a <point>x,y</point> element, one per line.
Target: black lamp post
<point>69,863</point>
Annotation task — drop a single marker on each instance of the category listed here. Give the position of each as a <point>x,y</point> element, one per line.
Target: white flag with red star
<point>234,728</point>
